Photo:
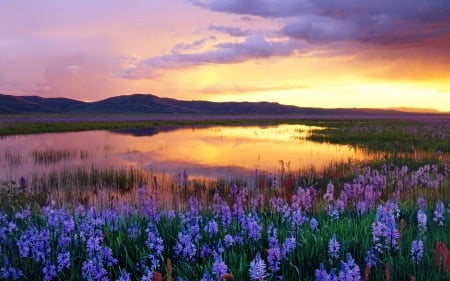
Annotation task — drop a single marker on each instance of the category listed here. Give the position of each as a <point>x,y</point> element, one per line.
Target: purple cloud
<point>264,8</point>
<point>232,31</point>
<point>253,47</point>
<point>382,22</point>
<point>180,47</point>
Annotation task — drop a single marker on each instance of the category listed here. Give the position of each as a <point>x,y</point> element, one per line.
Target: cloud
<point>264,8</point>
<point>180,47</point>
<point>232,31</point>
<point>253,47</point>
<point>381,22</point>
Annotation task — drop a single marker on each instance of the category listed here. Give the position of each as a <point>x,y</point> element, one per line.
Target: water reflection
<point>203,151</point>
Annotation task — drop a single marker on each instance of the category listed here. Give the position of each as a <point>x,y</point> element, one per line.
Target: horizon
<point>398,109</point>
<point>342,54</point>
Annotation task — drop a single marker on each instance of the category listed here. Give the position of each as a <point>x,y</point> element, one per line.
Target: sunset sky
<point>311,53</point>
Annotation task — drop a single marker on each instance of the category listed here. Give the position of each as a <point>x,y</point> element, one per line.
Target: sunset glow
<point>333,54</point>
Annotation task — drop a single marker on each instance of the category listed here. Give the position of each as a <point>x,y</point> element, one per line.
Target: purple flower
<point>329,195</point>
<point>124,276</point>
<point>184,246</point>
<point>207,277</point>
<point>321,274</point>
<point>49,271</point>
<point>288,246</point>
<point>205,251</point>
<point>421,203</point>
<point>257,268</point>
<point>63,261</point>
<point>9,272</point>
<point>219,267</point>
<point>421,221</point>
<point>238,240</point>
<point>392,234</point>
<point>277,203</point>
<point>228,240</point>
<point>439,213</point>
<point>133,231</point>
<point>314,224</point>
<point>416,251</point>
<point>353,272</point>
<point>274,252</point>
<point>155,245</point>
<point>251,227</point>
<point>93,270</point>
<point>34,243</point>
<point>334,248</point>
<point>370,259</point>
<point>212,228</point>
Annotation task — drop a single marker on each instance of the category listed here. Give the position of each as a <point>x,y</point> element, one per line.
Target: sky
<point>309,53</point>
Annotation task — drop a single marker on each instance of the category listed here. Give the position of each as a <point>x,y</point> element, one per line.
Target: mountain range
<point>151,104</point>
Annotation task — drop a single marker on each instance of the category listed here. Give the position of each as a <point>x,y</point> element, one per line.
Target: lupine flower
<point>288,246</point>
<point>184,247</point>
<point>155,245</point>
<point>329,195</point>
<point>257,268</point>
<point>370,259</point>
<point>212,228</point>
<point>92,270</point>
<point>353,272</point>
<point>276,203</point>
<point>34,243</point>
<point>222,211</point>
<point>124,276</point>
<point>392,234</point>
<point>207,277</point>
<point>49,271</point>
<point>332,212</point>
<point>416,251</point>
<point>421,203</point>
<point>421,221</point>
<point>314,224</point>
<point>133,231</point>
<point>63,260</point>
<point>219,267</point>
<point>9,272</point>
<point>205,251</point>
<point>228,240</point>
<point>332,276</point>
<point>439,213</point>
<point>334,248</point>
<point>251,227</point>
<point>321,274</point>
<point>274,252</point>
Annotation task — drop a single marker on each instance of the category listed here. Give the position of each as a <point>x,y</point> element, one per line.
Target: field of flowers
<point>386,224</point>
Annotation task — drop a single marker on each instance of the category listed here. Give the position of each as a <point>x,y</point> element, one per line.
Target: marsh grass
<point>55,156</point>
<point>393,136</point>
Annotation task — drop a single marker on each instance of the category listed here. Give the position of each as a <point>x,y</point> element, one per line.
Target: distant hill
<point>150,104</point>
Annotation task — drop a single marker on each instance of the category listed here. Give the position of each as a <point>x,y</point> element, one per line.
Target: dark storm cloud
<point>374,22</point>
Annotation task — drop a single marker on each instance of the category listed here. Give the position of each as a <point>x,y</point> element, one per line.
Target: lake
<point>97,167</point>
<point>218,151</point>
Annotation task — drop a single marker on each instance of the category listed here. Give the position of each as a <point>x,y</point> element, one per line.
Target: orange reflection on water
<point>206,152</point>
<point>235,149</point>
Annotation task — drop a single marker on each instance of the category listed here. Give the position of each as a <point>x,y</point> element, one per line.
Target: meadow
<point>385,219</point>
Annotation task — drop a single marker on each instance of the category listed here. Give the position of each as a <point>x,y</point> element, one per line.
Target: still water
<point>219,151</point>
